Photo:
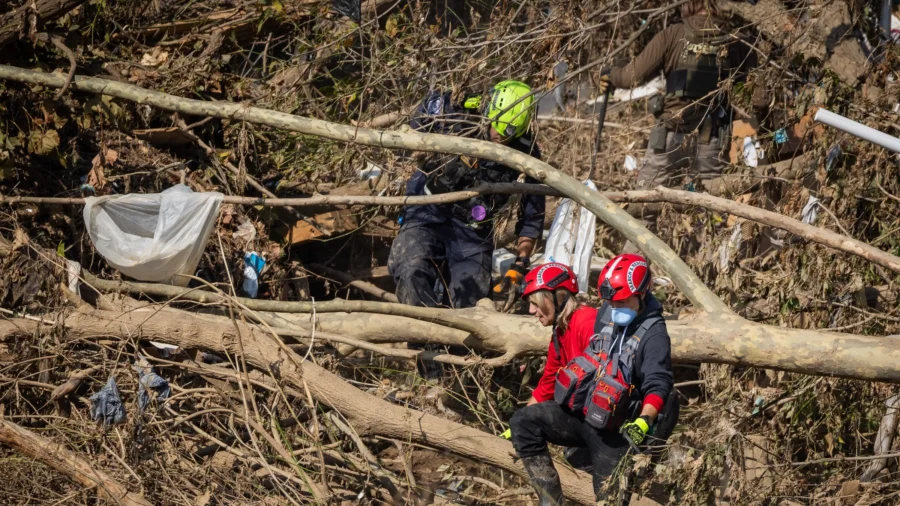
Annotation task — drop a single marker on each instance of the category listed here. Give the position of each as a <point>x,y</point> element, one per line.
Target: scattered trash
<point>106,405</point>
<point>811,210</point>
<point>156,236</point>
<point>501,261</point>
<point>167,349</point>
<point>858,129</point>
<point>751,157</point>
<point>148,380</point>
<point>834,155</point>
<point>371,171</point>
<point>729,247</point>
<point>571,243</point>
<point>781,136</point>
<point>630,163</point>
<point>73,270</point>
<point>246,231</point>
<point>253,266</point>
<point>758,404</point>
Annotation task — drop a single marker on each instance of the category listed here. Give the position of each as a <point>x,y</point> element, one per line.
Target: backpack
<point>597,384</point>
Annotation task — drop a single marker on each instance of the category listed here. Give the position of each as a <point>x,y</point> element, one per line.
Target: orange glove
<point>513,278</point>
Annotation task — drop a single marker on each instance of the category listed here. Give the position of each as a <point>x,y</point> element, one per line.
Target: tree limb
<point>820,235</point>
<point>368,415</point>
<point>67,462</point>
<point>14,23</point>
<point>655,249</point>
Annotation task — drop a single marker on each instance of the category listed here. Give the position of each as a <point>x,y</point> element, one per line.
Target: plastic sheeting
<point>106,405</point>
<point>148,381</point>
<point>153,237</point>
<point>350,8</point>
<point>572,243</point>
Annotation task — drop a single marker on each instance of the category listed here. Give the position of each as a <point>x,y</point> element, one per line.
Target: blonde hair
<point>544,297</point>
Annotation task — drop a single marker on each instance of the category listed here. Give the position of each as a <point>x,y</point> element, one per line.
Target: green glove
<point>507,434</point>
<point>637,429</point>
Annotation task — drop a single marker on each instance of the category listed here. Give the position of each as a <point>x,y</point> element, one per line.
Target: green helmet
<point>515,121</point>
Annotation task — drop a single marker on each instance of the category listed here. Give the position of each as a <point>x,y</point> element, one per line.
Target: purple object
<point>479,213</point>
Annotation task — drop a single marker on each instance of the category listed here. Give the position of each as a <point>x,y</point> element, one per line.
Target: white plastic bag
<point>571,243</point>
<point>156,236</point>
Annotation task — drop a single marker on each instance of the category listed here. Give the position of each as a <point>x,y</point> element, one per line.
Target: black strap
<point>604,316</point>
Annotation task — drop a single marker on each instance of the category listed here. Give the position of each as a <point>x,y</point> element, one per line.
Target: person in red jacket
<point>630,309</point>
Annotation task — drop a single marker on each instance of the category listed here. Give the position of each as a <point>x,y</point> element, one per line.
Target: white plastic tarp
<point>571,242</point>
<point>156,236</point>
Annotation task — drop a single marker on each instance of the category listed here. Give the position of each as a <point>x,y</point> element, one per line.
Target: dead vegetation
<point>272,407</point>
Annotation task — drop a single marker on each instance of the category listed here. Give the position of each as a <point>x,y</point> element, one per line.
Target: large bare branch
<point>819,235</point>
<point>652,246</point>
<point>67,462</point>
<point>703,337</point>
<point>367,414</point>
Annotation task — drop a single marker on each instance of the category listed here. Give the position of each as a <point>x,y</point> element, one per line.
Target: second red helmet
<point>624,276</point>
<point>550,276</point>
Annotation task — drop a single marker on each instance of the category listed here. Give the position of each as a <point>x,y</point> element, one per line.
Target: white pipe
<point>862,131</point>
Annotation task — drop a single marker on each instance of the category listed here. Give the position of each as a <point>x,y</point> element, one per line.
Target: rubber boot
<point>544,479</point>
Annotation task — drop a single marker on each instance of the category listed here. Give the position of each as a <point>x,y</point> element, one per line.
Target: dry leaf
<point>155,57</point>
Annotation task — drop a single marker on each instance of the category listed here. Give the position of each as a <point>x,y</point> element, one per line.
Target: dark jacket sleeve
<point>531,221</point>
<point>651,60</point>
<point>656,363</point>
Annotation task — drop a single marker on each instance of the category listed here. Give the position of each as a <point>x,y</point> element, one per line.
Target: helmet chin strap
<point>558,307</point>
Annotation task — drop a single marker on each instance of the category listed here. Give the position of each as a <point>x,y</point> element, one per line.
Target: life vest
<point>598,383</point>
<point>699,66</point>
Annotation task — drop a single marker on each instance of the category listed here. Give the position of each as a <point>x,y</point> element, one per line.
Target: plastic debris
<point>751,157</point>
<point>834,155</point>
<point>371,171</point>
<point>148,381</point>
<point>253,266</point>
<point>245,231</point>
<point>106,405</point>
<point>781,136</point>
<point>501,261</point>
<point>167,349</point>
<point>73,270</point>
<point>156,236</point>
<point>811,210</point>
<point>572,243</point>
<point>630,163</point>
<point>729,247</point>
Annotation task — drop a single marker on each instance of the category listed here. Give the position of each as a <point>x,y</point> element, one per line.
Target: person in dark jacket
<point>624,286</point>
<point>443,253</point>
<point>697,56</point>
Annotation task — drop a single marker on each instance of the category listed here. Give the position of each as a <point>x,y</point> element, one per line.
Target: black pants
<point>546,422</point>
<point>417,255</point>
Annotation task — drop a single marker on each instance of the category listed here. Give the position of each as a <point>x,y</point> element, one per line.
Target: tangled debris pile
<point>273,377</point>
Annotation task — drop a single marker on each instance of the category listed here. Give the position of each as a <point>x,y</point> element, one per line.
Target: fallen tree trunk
<point>67,462</point>
<point>727,338</point>
<point>703,337</point>
<point>368,415</point>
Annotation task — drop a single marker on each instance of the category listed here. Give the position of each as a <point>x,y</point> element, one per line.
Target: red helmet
<point>550,277</point>
<point>624,276</point>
